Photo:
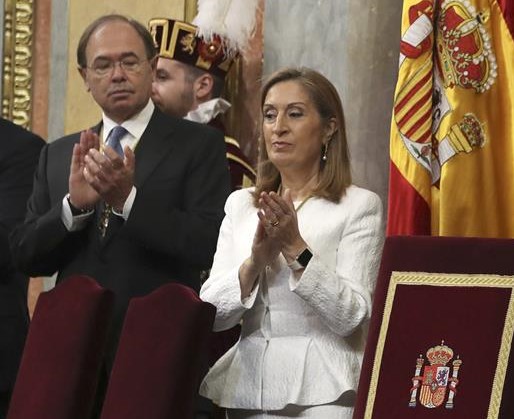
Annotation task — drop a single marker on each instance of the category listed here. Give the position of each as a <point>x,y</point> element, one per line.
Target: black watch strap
<point>301,261</point>
<point>77,211</point>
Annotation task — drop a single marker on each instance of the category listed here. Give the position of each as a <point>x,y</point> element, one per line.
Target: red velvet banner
<point>468,322</point>
<point>411,317</point>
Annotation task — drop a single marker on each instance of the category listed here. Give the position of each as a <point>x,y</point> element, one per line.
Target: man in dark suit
<point>19,153</point>
<point>132,221</point>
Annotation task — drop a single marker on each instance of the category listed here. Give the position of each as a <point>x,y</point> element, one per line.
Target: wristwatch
<point>301,260</point>
<point>77,211</point>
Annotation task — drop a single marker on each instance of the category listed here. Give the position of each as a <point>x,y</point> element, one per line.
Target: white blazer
<point>303,334</point>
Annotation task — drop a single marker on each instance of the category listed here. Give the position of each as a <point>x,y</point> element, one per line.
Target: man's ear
<point>83,73</point>
<point>202,87</point>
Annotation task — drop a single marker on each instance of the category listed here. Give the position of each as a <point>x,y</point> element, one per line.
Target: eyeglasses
<point>103,68</point>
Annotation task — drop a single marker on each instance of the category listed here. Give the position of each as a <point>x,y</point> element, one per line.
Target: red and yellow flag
<point>452,130</point>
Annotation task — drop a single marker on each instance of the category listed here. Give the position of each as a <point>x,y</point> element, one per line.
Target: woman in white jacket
<point>296,264</point>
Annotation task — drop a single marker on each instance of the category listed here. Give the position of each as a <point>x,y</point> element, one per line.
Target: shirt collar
<point>209,110</point>
<point>135,125</point>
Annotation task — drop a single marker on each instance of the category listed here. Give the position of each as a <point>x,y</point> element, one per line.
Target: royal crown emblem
<point>464,50</point>
<point>439,381</point>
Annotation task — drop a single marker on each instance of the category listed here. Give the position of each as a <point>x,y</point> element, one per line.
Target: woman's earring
<point>324,157</point>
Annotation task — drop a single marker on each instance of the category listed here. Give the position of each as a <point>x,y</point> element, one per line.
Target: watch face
<point>304,257</point>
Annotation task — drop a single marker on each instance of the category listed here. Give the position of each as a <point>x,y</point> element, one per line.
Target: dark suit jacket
<point>182,183</point>
<point>19,153</point>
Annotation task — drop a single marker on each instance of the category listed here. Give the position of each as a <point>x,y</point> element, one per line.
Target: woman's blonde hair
<point>335,174</point>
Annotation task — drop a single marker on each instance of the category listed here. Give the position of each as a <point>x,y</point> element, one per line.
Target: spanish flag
<point>452,130</point>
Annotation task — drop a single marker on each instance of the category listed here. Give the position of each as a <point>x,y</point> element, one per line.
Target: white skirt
<point>326,411</point>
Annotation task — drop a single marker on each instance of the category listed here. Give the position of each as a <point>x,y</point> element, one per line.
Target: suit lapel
<point>154,145</point>
<point>97,128</point>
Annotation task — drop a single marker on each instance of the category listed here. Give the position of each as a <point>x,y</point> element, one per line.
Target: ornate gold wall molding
<point>17,61</point>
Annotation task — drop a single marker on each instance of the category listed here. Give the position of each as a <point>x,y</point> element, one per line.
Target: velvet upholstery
<point>471,319</point>
<point>60,364</point>
<point>161,351</point>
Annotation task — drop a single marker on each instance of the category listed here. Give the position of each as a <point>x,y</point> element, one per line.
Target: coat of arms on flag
<point>436,380</point>
<point>451,131</point>
<point>463,58</point>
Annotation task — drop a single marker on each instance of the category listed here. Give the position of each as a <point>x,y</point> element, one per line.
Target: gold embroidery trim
<point>232,157</point>
<point>448,280</point>
<point>247,182</point>
<point>233,141</point>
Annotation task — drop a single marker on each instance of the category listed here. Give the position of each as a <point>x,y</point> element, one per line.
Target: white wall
<point>355,44</point>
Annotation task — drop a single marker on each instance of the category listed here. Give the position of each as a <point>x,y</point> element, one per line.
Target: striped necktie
<point>113,141</point>
<point>114,138</point>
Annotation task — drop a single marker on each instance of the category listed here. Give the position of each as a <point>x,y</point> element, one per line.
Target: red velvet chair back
<point>439,255</point>
<point>63,352</point>
<point>157,365</point>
